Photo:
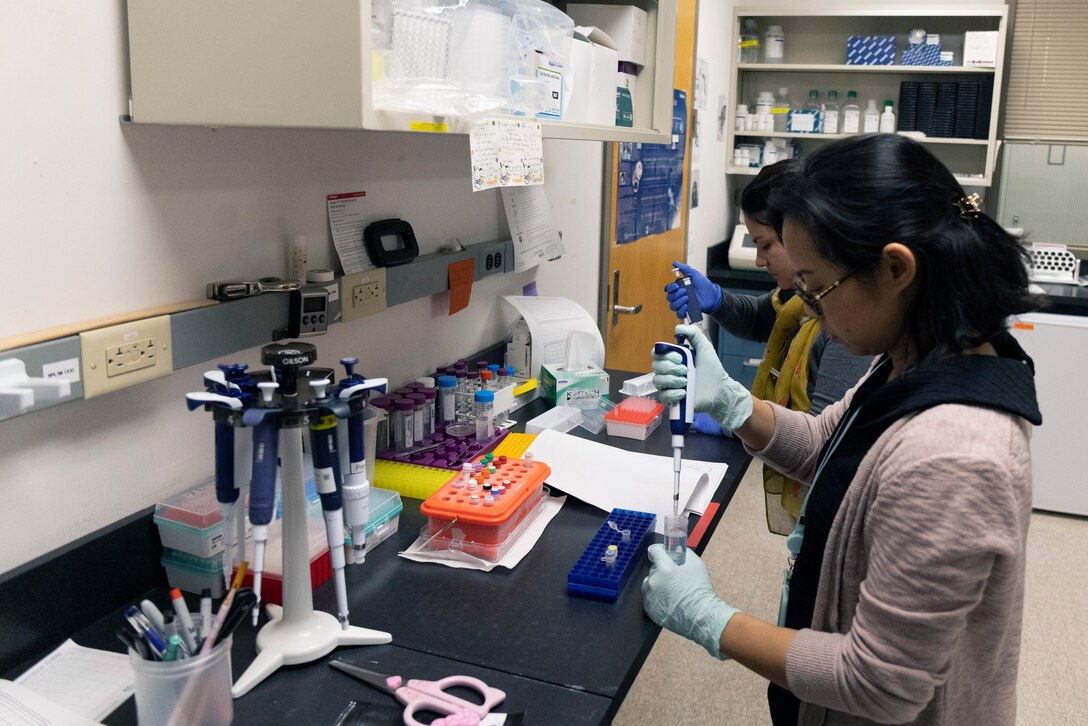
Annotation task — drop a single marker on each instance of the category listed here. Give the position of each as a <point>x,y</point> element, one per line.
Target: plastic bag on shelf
<point>464,58</point>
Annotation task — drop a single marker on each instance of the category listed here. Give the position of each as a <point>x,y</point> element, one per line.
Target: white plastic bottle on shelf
<point>742,117</point>
<point>887,119</point>
<point>770,152</point>
<point>872,118</point>
<point>774,45</point>
<point>829,119</point>
<point>781,109</point>
<point>851,114</point>
<point>748,52</point>
<point>764,104</point>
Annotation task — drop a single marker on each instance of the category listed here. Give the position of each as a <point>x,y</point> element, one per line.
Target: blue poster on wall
<point>650,181</point>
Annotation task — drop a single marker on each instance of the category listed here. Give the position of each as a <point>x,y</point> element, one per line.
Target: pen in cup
<point>142,626</point>
<point>186,629</point>
<point>153,614</point>
<point>224,608</point>
<point>205,613</point>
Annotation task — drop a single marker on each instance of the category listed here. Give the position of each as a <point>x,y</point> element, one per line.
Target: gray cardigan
<point>918,612</point>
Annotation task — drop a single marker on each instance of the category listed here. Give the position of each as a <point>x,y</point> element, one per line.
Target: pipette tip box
<point>591,576</point>
<point>634,418</point>
<point>191,521</point>
<point>384,520</point>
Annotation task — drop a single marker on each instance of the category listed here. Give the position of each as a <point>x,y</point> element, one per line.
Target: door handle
<point>618,309</point>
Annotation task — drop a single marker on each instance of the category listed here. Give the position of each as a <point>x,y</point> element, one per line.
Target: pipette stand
<point>296,633</point>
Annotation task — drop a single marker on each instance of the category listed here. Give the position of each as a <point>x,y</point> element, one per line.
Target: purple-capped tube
<point>403,425</point>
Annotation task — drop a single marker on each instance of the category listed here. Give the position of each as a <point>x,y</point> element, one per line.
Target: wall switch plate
<point>362,293</point>
<point>124,355</point>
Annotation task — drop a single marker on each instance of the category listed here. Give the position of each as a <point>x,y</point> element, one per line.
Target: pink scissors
<point>419,695</point>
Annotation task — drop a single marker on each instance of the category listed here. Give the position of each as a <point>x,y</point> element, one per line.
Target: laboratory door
<point>634,312</point>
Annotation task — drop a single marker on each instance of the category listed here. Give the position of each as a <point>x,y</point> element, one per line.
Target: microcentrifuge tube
<point>611,553</point>
<point>474,499</point>
<point>489,500</point>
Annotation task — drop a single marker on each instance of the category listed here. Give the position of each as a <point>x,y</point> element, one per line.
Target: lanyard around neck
<point>797,536</point>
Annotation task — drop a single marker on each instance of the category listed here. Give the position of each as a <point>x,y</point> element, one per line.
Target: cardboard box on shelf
<point>593,61</point>
<point>624,24</point>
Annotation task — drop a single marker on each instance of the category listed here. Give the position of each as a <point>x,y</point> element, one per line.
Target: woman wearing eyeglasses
<point>802,369</point>
<point>903,600</point>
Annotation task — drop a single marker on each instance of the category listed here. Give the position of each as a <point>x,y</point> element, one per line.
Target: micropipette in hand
<point>681,413</point>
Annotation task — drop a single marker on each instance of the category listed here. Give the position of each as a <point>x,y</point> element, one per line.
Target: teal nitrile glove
<point>728,402</point>
<point>682,599</point>
<point>707,294</point>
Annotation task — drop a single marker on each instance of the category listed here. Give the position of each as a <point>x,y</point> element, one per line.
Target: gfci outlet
<point>124,355</point>
<point>362,293</point>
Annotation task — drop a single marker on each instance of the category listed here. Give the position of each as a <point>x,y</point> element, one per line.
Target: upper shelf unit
<point>294,63</point>
<point>815,58</point>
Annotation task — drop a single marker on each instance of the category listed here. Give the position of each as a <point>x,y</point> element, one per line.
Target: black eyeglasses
<point>812,299</point>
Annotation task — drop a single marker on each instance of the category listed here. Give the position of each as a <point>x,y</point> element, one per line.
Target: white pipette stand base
<point>296,633</point>
<point>281,643</point>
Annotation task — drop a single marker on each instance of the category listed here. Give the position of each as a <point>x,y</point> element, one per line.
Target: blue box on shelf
<point>591,576</point>
<point>870,50</point>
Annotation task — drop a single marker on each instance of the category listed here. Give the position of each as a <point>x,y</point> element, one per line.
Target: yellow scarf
<point>782,377</point>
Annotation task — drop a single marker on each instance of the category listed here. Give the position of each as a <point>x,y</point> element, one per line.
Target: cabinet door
<point>294,63</point>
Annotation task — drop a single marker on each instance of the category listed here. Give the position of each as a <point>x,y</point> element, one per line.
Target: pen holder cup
<point>193,691</point>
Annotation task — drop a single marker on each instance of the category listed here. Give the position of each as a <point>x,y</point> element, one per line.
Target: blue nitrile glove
<point>728,402</point>
<point>707,294</point>
<point>704,424</point>
<point>682,599</point>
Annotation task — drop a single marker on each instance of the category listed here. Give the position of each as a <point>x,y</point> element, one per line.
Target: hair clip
<point>969,206</point>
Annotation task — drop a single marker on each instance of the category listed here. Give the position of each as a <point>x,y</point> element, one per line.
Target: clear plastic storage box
<point>482,528</point>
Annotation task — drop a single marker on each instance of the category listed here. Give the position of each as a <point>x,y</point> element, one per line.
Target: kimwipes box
<point>580,387</point>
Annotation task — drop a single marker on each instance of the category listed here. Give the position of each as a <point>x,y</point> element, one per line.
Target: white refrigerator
<point>1059,346</point>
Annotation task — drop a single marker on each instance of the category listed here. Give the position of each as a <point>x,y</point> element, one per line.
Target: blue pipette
<point>353,390</point>
<point>226,491</point>
<point>681,413</point>
<point>236,375</point>
<point>262,486</point>
<point>323,447</point>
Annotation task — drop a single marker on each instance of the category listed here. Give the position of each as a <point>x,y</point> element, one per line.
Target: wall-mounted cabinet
<point>294,63</point>
<point>815,52</point>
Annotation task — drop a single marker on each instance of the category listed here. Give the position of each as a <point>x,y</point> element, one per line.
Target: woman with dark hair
<point>904,597</point>
<point>802,368</point>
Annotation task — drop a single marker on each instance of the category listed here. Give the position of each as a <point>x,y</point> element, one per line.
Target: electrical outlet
<point>122,359</point>
<point>362,293</point>
<point>124,355</point>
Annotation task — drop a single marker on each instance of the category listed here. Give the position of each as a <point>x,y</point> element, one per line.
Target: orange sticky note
<point>460,284</point>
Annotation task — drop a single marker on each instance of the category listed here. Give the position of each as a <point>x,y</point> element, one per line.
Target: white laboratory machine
<point>742,250</point>
<point>1058,345</point>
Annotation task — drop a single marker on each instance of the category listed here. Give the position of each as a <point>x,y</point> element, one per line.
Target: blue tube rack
<point>590,577</point>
